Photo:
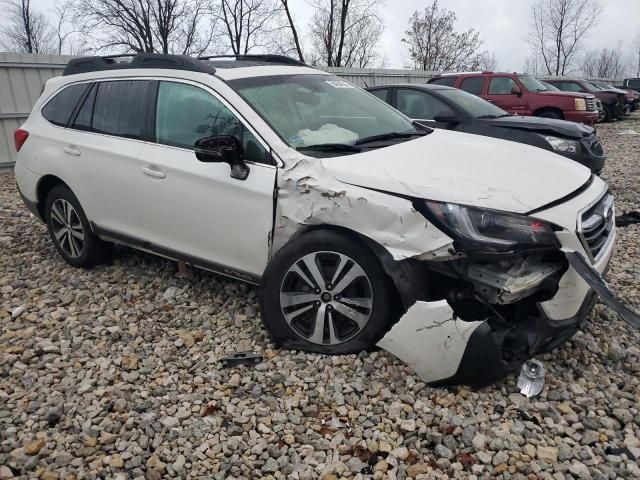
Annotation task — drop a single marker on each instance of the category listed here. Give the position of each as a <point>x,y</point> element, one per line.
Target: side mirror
<point>515,90</point>
<point>448,118</point>
<point>223,148</point>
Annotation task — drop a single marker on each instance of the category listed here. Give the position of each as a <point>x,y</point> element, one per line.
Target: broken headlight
<point>496,231</point>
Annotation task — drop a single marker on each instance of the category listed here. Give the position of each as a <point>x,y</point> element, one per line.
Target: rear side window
<point>569,86</point>
<point>448,81</point>
<point>501,86</point>
<point>59,108</point>
<point>472,85</point>
<point>381,93</point>
<point>120,108</point>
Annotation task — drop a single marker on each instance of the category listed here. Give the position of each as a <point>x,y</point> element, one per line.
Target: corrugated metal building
<point>22,77</point>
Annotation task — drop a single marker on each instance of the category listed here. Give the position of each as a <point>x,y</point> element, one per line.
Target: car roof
<point>419,86</point>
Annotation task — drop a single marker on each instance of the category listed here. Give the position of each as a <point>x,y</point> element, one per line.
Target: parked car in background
<point>445,107</point>
<point>523,95</point>
<point>462,255</point>
<point>553,88</point>
<point>631,83</point>
<point>612,102</point>
<point>629,95</point>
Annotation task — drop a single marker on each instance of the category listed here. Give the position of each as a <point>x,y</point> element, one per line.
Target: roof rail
<point>281,59</point>
<point>138,60</point>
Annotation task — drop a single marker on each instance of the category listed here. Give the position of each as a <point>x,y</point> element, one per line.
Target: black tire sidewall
<point>91,251</point>
<point>315,241</point>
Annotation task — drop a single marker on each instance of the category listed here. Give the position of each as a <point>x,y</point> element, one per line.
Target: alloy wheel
<point>67,228</point>
<point>326,298</point>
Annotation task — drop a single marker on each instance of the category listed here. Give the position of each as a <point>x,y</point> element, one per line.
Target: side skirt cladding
<point>147,246</point>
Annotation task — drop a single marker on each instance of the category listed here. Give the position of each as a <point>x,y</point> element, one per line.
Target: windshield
<point>595,86</point>
<point>532,84</point>
<point>309,110</point>
<point>473,105</point>
<point>551,88</point>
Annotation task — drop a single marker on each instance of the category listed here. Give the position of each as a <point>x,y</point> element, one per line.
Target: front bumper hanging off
<point>446,350</point>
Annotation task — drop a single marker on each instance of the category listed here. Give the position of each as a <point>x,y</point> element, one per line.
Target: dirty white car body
<point>498,309</point>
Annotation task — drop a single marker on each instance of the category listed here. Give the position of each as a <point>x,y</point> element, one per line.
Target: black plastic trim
<point>31,206</point>
<point>268,58</point>
<point>175,255</point>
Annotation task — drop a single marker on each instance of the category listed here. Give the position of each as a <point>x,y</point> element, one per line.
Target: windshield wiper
<point>330,147</point>
<point>495,116</point>
<point>392,136</point>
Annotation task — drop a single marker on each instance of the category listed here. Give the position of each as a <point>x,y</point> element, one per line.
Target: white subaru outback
<point>462,255</point>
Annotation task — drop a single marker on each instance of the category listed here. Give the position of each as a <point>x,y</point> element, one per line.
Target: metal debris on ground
<point>531,379</point>
<point>627,218</point>
<point>334,424</point>
<point>241,358</point>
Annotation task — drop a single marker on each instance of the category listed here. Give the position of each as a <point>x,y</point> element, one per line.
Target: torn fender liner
<point>430,339</point>
<point>595,281</point>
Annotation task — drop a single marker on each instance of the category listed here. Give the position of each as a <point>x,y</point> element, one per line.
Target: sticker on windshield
<point>296,141</point>
<point>339,84</point>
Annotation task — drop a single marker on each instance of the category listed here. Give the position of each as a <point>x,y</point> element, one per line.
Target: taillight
<point>19,137</point>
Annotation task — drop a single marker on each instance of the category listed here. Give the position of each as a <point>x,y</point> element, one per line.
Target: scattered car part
<point>240,358</point>
<point>628,218</point>
<point>531,379</point>
<point>597,283</point>
<point>335,424</point>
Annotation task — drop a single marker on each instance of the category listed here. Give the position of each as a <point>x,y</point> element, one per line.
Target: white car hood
<point>461,168</point>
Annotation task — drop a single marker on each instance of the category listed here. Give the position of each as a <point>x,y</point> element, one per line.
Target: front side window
<point>186,113</point>
<point>318,109</point>
<point>501,86</point>
<point>381,93</point>
<point>59,108</point>
<point>421,106</point>
<point>472,85</point>
<point>120,108</point>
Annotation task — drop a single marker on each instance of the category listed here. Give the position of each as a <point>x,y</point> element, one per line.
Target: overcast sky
<point>503,25</point>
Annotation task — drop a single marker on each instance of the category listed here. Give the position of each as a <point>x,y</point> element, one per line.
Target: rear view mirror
<point>445,117</point>
<point>223,148</point>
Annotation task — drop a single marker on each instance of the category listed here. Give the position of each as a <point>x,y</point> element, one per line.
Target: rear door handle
<point>72,150</point>
<point>153,173</point>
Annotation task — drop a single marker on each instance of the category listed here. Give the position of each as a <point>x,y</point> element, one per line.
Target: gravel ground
<point>114,373</point>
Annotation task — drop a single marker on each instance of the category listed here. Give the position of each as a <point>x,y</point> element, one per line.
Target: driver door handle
<point>71,150</point>
<point>153,173</point>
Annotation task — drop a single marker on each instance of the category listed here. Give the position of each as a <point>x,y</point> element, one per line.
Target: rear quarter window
<point>448,81</point>
<point>58,110</point>
<point>472,85</point>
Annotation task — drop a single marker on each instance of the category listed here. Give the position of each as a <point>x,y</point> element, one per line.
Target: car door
<point>196,208</point>
<point>105,138</point>
<point>423,107</point>
<point>500,92</point>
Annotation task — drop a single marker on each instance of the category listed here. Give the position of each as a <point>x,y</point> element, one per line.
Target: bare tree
<point>345,33</point>
<point>161,26</point>
<point>604,63</point>
<point>557,30</point>
<point>249,24</point>
<point>533,65</point>
<point>25,30</point>
<point>487,61</point>
<point>434,44</point>
<point>635,55</point>
<point>294,30</point>
<point>67,37</point>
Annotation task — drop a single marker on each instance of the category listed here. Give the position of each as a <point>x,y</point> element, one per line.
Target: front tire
<point>327,293</point>
<point>70,230</point>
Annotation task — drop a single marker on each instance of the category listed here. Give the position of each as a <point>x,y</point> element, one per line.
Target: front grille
<point>591,105</point>
<point>595,226</point>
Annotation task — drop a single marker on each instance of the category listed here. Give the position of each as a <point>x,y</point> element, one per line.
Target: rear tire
<point>70,230</point>
<point>608,115</point>
<point>303,309</point>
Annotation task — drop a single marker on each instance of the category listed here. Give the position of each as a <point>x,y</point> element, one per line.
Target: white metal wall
<point>22,76</point>
<point>370,77</point>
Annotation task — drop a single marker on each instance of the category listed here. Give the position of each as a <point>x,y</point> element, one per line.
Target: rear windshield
<point>448,81</point>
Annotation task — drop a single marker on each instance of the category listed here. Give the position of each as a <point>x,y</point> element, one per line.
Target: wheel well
<point>548,109</point>
<point>45,185</point>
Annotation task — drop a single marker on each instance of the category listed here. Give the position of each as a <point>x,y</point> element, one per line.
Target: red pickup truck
<point>524,95</point>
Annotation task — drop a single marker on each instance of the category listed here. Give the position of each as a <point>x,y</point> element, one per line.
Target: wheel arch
<point>550,109</point>
<point>44,186</point>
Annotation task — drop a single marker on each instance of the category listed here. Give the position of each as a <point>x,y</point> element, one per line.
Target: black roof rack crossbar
<point>281,59</point>
<point>138,60</point>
